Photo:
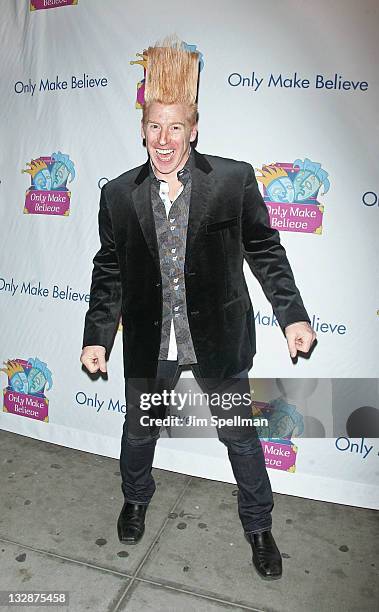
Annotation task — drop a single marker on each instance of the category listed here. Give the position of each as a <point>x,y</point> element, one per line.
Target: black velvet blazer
<point>228,221</point>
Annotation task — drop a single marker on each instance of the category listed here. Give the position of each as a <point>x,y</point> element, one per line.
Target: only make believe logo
<point>48,193</point>
<point>25,392</point>
<point>38,5</point>
<point>291,192</point>
<point>140,101</point>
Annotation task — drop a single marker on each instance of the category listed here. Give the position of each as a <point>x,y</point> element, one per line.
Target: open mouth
<point>165,155</point>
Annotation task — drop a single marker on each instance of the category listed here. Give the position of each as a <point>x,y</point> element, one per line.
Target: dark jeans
<point>255,500</point>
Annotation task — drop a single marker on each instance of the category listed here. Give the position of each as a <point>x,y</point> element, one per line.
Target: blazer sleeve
<point>104,311</point>
<point>267,257</point>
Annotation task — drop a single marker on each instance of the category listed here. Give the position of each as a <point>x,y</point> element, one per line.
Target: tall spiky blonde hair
<point>172,73</point>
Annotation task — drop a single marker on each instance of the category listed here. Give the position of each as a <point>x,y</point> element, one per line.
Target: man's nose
<point>163,136</point>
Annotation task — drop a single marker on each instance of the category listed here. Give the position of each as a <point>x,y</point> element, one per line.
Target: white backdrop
<point>282,81</point>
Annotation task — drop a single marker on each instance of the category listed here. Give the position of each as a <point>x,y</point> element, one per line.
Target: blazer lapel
<point>141,197</point>
<point>202,189</point>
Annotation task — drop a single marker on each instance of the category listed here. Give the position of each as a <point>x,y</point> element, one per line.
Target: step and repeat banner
<point>291,88</point>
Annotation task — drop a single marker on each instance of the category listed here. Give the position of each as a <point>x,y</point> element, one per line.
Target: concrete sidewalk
<point>58,514</point>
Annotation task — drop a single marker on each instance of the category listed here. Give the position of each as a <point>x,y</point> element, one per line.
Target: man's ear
<point>142,130</point>
<point>193,135</point>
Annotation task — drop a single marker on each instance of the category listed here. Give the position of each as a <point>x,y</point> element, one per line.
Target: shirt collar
<point>182,175</point>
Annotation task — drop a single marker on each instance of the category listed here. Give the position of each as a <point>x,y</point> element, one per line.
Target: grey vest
<point>171,238</point>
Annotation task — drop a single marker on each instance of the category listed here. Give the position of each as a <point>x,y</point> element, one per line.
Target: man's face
<point>168,134</point>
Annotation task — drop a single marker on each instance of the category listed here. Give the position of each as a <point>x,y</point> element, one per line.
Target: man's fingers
<point>300,337</point>
<point>90,363</point>
<point>305,345</point>
<point>94,359</point>
<point>102,363</point>
<point>291,341</point>
<point>300,342</point>
<point>306,342</point>
<point>91,366</point>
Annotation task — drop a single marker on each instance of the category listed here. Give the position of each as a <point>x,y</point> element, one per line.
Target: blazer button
<point>157,284</point>
<point>156,322</point>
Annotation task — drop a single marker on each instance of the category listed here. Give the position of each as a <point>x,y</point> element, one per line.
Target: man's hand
<point>300,337</point>
<point>93,358</point>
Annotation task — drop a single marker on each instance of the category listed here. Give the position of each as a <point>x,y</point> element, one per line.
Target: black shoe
<point>131,523</point>
<point>267,559</point>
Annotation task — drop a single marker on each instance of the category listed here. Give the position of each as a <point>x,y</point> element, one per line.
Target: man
<point>174,233</point>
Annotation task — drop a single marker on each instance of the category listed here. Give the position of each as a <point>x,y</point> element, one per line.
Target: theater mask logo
<point>140,100</point>
<point>284,422</point>
<point>48,193</point>
<point>27,384</point>
<point>291,192</point>
<point>40,5</point>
